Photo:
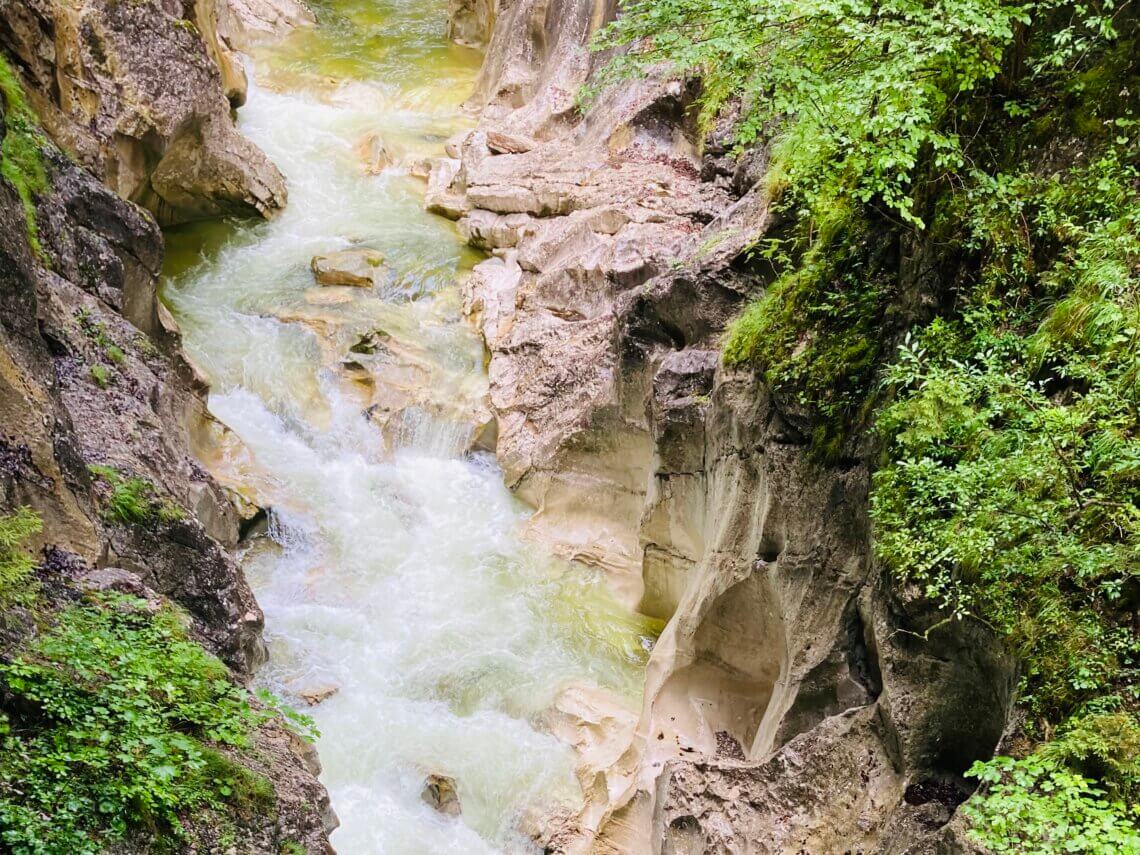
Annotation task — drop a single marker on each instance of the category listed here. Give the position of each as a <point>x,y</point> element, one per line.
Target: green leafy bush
<point>858,90</point>
<point>113,727</point>
<point>1035,807</point>
<point>17,587</point>
<point>995,145</point>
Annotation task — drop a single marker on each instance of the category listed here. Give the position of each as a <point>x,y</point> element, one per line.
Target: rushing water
<point>392,571</point>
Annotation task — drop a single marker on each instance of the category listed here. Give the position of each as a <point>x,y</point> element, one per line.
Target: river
<point>392,573</point>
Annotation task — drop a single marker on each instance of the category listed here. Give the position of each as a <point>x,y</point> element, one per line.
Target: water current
<point>392,573</point>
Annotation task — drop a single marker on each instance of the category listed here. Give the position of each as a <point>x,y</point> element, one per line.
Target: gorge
<point>537,450</point>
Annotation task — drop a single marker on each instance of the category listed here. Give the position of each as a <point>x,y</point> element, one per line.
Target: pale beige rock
<point>471,22</point>
<point>375,155</point>
<point>318,694</point>
<point>245,23</point>
<point>360,268</point>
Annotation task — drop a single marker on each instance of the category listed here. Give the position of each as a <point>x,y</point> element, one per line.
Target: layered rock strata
<point>796,701</point>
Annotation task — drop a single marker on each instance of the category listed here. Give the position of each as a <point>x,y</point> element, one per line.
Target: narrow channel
<point>392,576</point>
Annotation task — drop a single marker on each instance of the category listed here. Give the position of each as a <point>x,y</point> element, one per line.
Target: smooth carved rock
<point>361,268</point>
<point>244,23</point>
<point>471,22</point>
<point>783,711</point>
<point>439,792</point>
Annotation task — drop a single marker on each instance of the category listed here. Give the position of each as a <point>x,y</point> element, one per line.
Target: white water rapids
<point>392,571</point>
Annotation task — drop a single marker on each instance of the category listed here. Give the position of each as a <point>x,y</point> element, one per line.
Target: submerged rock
<point>318,694</point>
<point>360,268</point>
<point>439,792</point>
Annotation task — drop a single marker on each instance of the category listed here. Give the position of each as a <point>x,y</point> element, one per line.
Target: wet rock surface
<point>361,268</point>
<point>440,793</point>
<point>94,388</point>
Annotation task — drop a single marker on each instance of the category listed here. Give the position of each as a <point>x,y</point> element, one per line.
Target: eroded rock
<point>137,92</point>
<point>784,708</point>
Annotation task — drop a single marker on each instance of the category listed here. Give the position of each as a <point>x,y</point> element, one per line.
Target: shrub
<point>114,715</point>
<point>1035,807</point>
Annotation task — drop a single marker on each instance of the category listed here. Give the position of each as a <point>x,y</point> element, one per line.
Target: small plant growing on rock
<point>100,376</point>
<point>132,500</point>
<point>16,584</point>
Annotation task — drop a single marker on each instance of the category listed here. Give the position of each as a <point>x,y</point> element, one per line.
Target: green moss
<point>21,153</point>
<point>100,375</point>
<point>816,332</point>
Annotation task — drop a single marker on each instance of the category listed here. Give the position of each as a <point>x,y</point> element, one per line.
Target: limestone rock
<point>361,268</point>
<point>318,694</point>
<point>138,93</point>
<point>244,23</point>
<point>471,22</point>
<point>439,792</point>
<point>375,155</point>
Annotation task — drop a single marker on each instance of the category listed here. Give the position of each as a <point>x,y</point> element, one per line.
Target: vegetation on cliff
<point>21,150</point>
<point>114,723</point>
<point>963,178</point>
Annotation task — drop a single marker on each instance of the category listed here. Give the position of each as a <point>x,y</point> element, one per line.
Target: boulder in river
<point>375,154</point>
<point>357,267</point>
<point>439,792</point>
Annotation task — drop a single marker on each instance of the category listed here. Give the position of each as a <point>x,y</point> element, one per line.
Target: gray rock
<point>138,93</point>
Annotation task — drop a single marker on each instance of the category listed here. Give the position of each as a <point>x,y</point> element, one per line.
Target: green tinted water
<point>393,572</point>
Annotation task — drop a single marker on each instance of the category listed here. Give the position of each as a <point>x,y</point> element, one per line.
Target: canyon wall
<point>140,95</point>
<point>95,393</point>
<point>796,701</point>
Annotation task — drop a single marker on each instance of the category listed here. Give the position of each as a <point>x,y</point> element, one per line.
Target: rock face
<point>244,23</point>
<point>93,388</point>
<point>795,702</point>
<point>137,93</point>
